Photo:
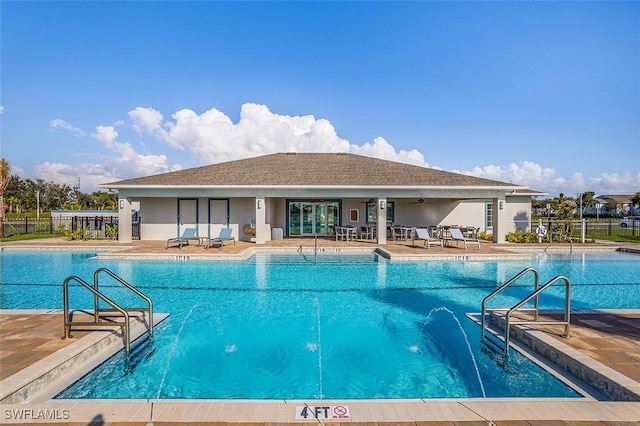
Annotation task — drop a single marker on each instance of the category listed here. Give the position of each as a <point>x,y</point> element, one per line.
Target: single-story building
<point>308,194</point>
<point>612,205</point>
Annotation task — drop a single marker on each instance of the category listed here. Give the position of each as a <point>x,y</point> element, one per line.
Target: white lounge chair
<point>423,234</point>
<point>456,235</point>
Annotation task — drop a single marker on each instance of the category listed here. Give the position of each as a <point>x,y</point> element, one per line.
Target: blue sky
<point>543,94</point>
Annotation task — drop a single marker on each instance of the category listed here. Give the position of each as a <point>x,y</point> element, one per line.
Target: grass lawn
<point>24,237</point>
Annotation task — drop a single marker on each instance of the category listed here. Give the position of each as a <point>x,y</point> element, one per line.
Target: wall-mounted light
<point>259,204</point>
<point>501,205</point>
<point>121,204</point>
<point>381,204</point>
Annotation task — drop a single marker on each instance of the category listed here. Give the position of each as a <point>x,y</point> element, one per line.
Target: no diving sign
<point>313,412</point>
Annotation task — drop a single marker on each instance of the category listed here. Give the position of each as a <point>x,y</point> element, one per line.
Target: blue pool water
<point>284,327</point>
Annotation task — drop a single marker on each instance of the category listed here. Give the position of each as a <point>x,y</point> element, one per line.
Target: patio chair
<point>187,234</point>
<point>225,235</point>
<point>367,232</point>
<point>456,235</point>
<point>423,234</point>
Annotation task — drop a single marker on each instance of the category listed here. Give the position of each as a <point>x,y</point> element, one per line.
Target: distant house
<point>307,194</point>
<point>623,206</point>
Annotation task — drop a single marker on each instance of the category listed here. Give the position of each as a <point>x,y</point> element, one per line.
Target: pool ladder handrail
<point>518,307</point>
<point>97,296</point>
<point>148,309</point>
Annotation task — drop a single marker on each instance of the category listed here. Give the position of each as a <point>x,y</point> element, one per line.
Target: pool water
<point>286,327</point>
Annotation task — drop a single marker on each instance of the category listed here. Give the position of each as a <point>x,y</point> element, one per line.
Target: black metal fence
<point>75,227</point>
<point>594,228</point>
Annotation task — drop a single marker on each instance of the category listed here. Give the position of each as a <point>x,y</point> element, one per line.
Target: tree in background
<point>5,173</point>
<point>588,199</point>
<point>564,208</point>
<point>635,200</point>
<point>26,194</point>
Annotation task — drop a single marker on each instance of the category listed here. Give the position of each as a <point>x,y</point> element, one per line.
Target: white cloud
<point>213,137</point>
<point>121,161</point>
<point>145,120</point>
<point>1,109</point>
<point>91,175</point>
<point>545,179</point>
<point>611,183</point>
<point>106,135</point>
<point>59,123</point>
<point>383,150</point>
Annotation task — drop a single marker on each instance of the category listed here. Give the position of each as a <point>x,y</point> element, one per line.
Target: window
<point>372,212</point>
<point>488,214</point>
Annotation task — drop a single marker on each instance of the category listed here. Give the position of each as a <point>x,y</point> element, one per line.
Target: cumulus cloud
<point>145,119</point>
<point>545,179</point>
<point>91,175</point>
<point>380,148</point>
<point>59,123</point>
<point>106,135</point>
<point>119,162</point>
<point>213,137</point>
<point>611,182</point>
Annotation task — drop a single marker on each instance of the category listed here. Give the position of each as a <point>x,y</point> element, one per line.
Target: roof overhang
<point>239,191</point>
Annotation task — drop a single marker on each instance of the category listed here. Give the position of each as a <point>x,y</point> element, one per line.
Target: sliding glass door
<point>308,218</point>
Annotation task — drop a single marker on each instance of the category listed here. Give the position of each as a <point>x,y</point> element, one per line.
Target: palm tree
<point>5,172</point>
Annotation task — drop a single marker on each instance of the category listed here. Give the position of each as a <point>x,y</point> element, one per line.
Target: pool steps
<point>508,312</point>
<point>613,385</point>
<point>44,379</point>
<point>105,316</point>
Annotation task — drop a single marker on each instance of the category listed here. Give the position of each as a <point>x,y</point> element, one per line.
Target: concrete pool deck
<point>607,342</point>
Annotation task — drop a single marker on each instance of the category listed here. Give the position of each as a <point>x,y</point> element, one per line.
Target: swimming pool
<point>282,327</point>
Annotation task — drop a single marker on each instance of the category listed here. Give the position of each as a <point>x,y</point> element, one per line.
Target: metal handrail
<point>149,308</point>
<point>567,310</point>
<point>502,288</point>
<point>97,295</point>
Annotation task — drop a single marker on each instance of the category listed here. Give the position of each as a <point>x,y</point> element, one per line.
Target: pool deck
<point>606,343</point>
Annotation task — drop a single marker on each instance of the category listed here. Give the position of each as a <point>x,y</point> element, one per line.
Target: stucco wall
<point>159,218</point>
<point>159,215</point>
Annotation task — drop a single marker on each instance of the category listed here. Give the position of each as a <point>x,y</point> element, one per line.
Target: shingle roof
<point>615,197</point>
<point>310,169</point>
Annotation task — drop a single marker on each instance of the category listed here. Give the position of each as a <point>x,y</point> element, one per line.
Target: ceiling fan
<point>369,201</point>
<point>420,201</point>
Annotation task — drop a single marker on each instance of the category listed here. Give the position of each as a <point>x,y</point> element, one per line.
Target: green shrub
<point>71,235</point>
<point>486,235</point>
<point>111,231</point>
<point>42,227</point>
<point>522,237</point>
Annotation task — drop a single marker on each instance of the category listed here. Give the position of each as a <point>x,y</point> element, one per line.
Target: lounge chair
<point>225,235</point>
<point>456,235</point>
<point>187,234</point>
<point>423,234</point>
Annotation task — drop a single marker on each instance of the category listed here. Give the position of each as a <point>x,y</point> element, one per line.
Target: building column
<point>382,221</point>
<point>499,219</point>
<point>261,227</point>
<point>124,220</point>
